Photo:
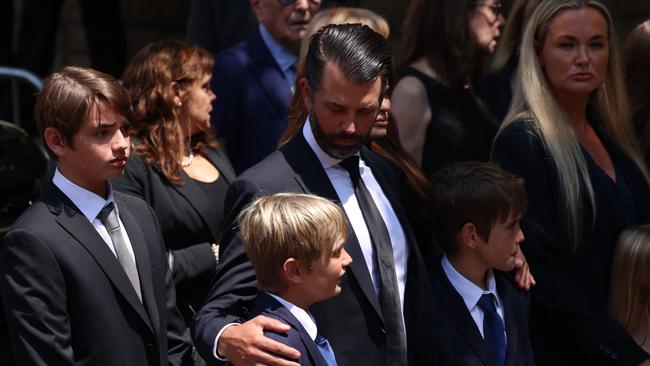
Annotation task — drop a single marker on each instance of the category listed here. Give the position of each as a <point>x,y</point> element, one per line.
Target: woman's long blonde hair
<point>629,300</point>
<point>534,100</point>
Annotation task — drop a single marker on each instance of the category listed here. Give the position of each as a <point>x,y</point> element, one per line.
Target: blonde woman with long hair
<point>568,134</point>
<point>630,294</point>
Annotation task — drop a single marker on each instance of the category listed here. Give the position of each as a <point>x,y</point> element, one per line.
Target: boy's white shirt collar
<point>88,202</point>
<point>470,293</point>
<point>304,317</point>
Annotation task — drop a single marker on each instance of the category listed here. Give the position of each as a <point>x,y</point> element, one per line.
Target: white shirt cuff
<point>216,342</point>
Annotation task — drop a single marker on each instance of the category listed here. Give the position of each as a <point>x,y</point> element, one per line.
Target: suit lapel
<point>268,74</point>
<point>454,306</point>
<point>77,225</point>
<point>311,176</point>
<point>273,306</point>
<point>508,313</point>
<point>141,252</point>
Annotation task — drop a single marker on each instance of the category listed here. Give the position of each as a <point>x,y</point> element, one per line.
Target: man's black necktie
<point>383,254</point>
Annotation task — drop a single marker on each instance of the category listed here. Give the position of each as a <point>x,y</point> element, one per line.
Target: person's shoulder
<point>269,169</point>
<point>35,218</point>
<point>521,133</point>
<point>519,126</point>
<point>233,57</point>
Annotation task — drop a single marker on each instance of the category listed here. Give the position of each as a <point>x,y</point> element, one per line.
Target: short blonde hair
<point>630,279</point>
<point>289,225</point>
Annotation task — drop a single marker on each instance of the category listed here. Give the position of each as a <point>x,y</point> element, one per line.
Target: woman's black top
<point>461,127</point>
<point>569,308</point>
<point>215,192</point>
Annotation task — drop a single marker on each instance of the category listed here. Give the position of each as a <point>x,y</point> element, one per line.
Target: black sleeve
<point>34,294</point>
<point>519,150</point>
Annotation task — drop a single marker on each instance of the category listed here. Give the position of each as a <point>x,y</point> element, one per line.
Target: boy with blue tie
<point>295,243</point>
<point>481,317</point>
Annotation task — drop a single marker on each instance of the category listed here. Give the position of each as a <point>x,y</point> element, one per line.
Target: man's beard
<point>329,146</point>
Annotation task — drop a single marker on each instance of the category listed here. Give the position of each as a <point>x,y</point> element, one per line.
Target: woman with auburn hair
<point>176,165</point>
<point>497,86</point>
<point>445,45</point>
<point>568,134</point>
<point>637,80</point>
<point>629,301</point>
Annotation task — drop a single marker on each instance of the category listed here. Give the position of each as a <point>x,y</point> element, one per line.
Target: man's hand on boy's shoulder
<point>523,277</point>
<point>246,344</point>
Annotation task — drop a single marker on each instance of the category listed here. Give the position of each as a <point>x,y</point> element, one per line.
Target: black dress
<point>569,321</point>
<point>461,128</point>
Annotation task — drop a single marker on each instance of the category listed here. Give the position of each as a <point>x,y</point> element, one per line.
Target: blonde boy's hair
<point>289,225</point>
<point>535,101</point>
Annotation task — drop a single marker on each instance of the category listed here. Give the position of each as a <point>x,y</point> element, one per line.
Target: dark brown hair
<point>68,97</point>
<point>637,80</point>
<point>438,30</point>
<point>157,123</point>
<point>473,192</point>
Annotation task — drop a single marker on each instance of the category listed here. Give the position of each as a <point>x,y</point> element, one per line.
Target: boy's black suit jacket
<point>297,337</point>
<point>458,340</point>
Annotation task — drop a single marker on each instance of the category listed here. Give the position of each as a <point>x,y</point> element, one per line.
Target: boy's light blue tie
<point>325,350</point>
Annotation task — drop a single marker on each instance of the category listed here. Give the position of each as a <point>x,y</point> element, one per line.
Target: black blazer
<point>459,341</point>
<point>569,321</point>
<point>188,220</point>
<point>351,321</point>
<point>297,337</point>
<point>68,300</point>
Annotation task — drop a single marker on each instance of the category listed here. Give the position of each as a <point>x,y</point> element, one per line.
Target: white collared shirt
<point>90,204</point>
<point>303,316</point>
<point>343,186</point>
<point>471,293</point>
<point>282,56</point>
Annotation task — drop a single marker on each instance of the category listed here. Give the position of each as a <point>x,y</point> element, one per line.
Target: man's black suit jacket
<point>352,321</point>
<point>459,341</point>
<point>68,300</point>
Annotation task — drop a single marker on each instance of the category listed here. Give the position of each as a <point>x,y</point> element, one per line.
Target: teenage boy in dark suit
<point>481,318</point>
<point>83,272</point>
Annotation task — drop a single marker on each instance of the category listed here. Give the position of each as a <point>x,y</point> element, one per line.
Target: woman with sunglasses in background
<point>445,46</point>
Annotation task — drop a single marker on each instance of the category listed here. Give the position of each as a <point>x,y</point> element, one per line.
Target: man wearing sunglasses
<point>254,80</point>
